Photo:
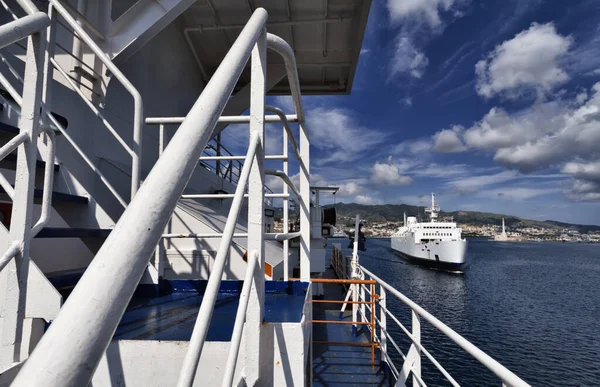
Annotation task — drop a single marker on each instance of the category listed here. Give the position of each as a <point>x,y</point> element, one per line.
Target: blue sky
<point>492,105</point>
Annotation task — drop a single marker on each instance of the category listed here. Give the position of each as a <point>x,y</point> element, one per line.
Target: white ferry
<point>131,252</point>
<point>433,243</point>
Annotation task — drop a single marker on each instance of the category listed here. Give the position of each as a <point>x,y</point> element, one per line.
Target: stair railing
<point>135,150</point>
<point>16,257</point>
<point>70,350</point>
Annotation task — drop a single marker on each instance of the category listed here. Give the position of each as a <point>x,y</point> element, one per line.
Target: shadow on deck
<point>336,365</point>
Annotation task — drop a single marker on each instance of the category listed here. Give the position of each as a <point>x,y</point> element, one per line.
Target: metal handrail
<point>138,115</point>
<point>507,377</point>
<point>240,318</point>
<point>286,126</point>
<point>192,357</point>
<point>283,176</point>
<point>70,350</point>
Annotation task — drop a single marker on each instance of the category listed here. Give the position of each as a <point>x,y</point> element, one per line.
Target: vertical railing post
<point>304,203</point>
<point>382,323</point>
<point>355,287</point>
<point>286,243</point>
<point>416,333</point>
<point>20,227</point>
<point>255,312</point>
<point>161,139</point>
<point>218,162</point>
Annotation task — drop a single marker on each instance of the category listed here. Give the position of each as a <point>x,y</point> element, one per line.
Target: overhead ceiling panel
<point>326,36</point>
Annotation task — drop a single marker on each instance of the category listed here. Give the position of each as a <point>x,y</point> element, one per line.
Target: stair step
<point>8,128</point>
<point>57,197</point>
<point>59,232</point>
<point>62,197</point>
<point>11,160</point>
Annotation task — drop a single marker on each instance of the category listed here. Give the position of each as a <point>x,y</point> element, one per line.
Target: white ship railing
<point>411,365</point>
<point>71,349</point>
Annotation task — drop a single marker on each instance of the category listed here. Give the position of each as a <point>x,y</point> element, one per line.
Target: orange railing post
<point>371,302</point>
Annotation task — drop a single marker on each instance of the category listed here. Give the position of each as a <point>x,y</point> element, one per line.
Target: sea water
<point>533,306</point>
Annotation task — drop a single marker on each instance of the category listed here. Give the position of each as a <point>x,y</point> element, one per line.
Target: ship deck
<point>172,317</point>
<point>337,365</point>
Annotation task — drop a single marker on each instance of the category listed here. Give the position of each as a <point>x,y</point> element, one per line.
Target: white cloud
<point>561,133</point>
<point>388,174</point>
<point>586,183</point>
<point>349,189</point>
<point>337,133</point>
<point>408,59</point>
<point>471,184</point>
<point>425,11</point>
<point>518,193</point>
<point>449,141</point>
<point>366,200</point>
<point>412,146</point>
<point>530,60</point>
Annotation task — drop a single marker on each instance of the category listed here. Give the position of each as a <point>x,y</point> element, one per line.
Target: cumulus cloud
<point>586,183</point>
<point>388,174</point>
<point>518,193</point>
<point>425,11</point>
<point>561,133</point>
<point>366,199</point>
<point>449,141</point>
<point>530,60</point>
<point>336,132</point>
<point>408,59</point>
<point>349,189</point>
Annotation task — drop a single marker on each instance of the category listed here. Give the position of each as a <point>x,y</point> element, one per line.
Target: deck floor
<point>173,317</point>
<point>342,365</point>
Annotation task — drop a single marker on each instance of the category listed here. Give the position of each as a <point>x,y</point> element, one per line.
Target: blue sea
<point>534,307</point>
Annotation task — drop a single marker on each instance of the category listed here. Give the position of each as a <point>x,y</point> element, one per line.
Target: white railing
<point>56,8</point>
<point>70,350</point>
<point>412,358</point>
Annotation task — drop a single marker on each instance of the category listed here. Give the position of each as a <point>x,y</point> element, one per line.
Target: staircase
<point>71,200</point>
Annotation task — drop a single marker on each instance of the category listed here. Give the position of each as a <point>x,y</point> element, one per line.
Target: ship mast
<point>433,210</point>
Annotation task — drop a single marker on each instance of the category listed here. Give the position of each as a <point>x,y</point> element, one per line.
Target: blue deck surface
<point>172,317</point>
<point>342,365</point>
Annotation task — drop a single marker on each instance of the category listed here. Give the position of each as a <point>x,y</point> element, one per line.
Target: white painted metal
<point>416,336</point>
<point>287,129</point>
<point>283,176</point>
<point>286,209</point>
<point>138,116</point>
<point>23,27</point>
<point>283,237</point>
<point>69,352</point>
<point>190,363</point>
<point>18,268</point>
<point>255,353</point>
<point>222,119</point>
<point>237,235</point>
<point>230,196</point>
<point>240,318</point>
<point>498,369</point>
<point>48,184</point>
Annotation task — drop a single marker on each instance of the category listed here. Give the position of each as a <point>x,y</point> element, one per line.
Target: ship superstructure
<point>434,243</point>
<point>135,248</point>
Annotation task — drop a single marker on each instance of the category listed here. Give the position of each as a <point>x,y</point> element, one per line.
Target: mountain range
<point>395,213</point>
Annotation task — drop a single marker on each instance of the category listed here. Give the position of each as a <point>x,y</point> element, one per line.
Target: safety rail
<point>366,313</point>
<point>56,8</point>
<point>135,150</point>
<point>370,323</point>
<point>69,351</point>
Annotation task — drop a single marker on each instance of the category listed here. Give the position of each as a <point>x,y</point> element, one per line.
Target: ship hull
<point>447,255</point>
